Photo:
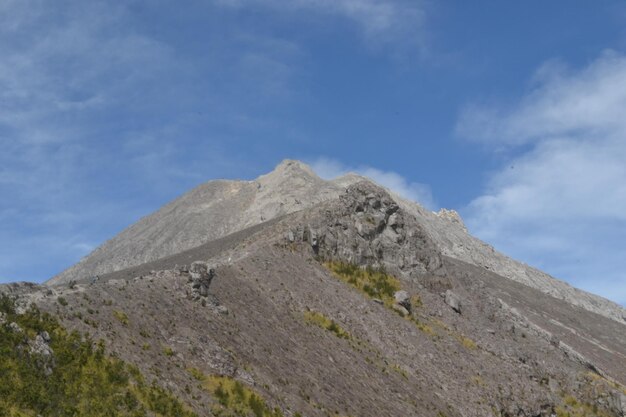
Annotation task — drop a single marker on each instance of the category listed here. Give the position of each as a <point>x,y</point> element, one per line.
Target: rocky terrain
<point>219,208</point>
<point>294,296</point>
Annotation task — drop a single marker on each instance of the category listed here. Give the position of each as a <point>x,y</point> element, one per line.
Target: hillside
<point>219,208</point>
<point>349,302</point>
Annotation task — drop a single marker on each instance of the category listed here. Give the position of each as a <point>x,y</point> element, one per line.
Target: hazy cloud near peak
<point>328,168</point>
<point>559,202</point>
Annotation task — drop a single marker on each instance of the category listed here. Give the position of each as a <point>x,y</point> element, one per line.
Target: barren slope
<point>210,211</point>
<point>509,350</point>
<point>219,208</point>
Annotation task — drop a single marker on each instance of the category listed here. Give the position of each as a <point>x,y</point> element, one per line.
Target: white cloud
<point>559,202</point>
<point>330,168</point>
<point>65,71</point>
<point>562,104</point>
<point>380,20</point>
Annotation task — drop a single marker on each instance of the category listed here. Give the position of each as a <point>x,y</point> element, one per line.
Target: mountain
<point>294,296</point>
<point>219,208</point>
<point>208,212</point>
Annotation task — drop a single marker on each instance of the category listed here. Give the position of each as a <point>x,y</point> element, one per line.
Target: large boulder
<point>42,352</point>
<point>15,328</point>
<point>453,301</point>
<point>200,277</point>
<point>402,299</point>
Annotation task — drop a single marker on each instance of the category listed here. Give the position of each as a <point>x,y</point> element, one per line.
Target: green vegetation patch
<point>374,282</point>
<point>324,322</point>
<point>77,380</point>
<point>467,342</point>
<point>571,407</point>
<point>595,378</point>
<point>121,317</point>
<point>236,399</point>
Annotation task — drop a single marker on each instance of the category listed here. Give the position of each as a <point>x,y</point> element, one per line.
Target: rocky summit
<point>294,296</point>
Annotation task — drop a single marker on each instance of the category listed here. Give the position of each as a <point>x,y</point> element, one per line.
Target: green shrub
<point>62,301</point>
<point>121,317</point>
<point>83,380</point>
<point>467,342</point>
<point>196,373</point>
<point>375,282</point>
<point>324,322</point>
<point>236,399</point>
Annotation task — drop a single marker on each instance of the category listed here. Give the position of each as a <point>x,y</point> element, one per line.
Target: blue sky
<point>511,113</point>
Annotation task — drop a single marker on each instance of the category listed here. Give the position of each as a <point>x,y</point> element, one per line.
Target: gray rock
<point>355,228</point>
<point>200,277</point>
<point>44,355</point>
<point>402,299</point>
<point>21,306</point>
<point>39,346</point>
<point>312,237</point>
<point>3,318</point>
<point>15,327</point>
<point>199,268</point>
<point>453,301</point>
<point>401,310</point>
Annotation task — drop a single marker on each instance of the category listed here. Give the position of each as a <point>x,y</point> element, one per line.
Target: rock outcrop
<point>453,301</point>
<point>402,299</point>
<point>366,227</point>
<point>453,217</point>
<point>200,277</point>
<point>43,354</point>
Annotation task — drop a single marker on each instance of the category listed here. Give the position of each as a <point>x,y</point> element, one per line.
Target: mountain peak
<point>293,166</point>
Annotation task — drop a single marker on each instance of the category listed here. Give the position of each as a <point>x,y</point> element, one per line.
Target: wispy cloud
<point>328,168</point>
<point>380,21</point>
<point>100,93</point>
<point>563,103</point>
<point>560,200</point>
